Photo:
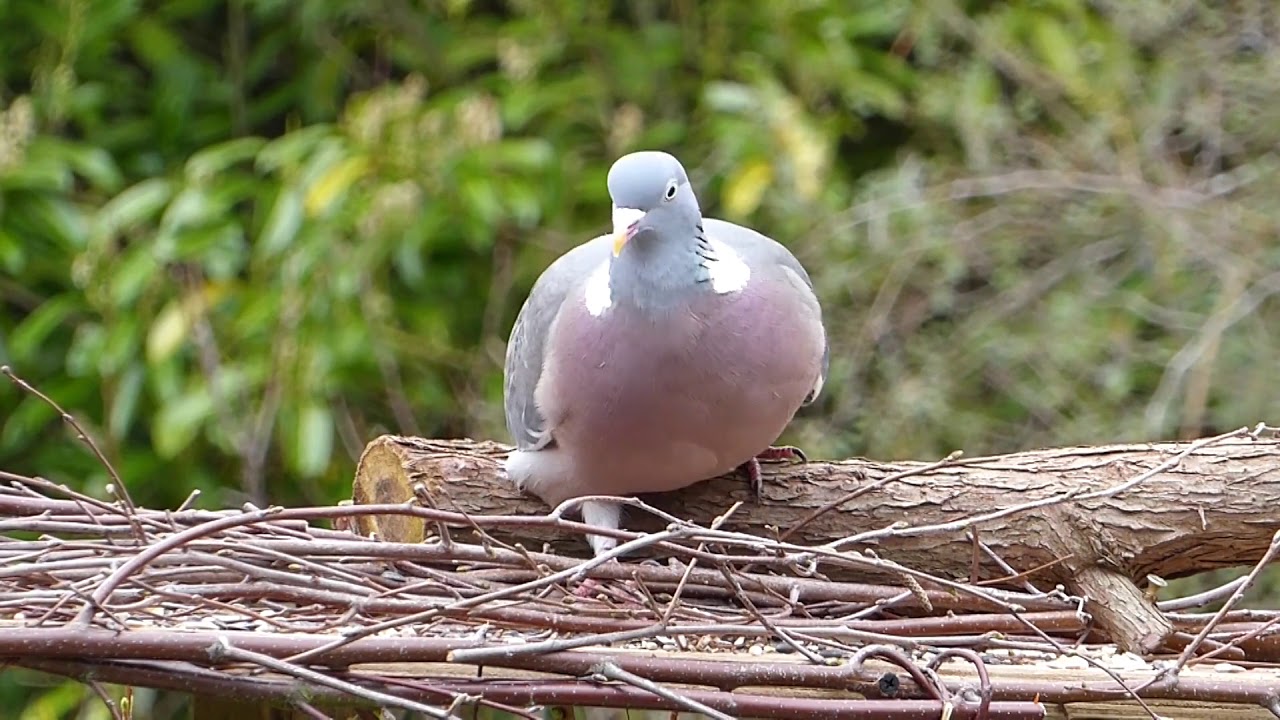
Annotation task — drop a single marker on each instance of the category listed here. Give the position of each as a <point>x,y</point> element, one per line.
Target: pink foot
<point>752,467</point>
<point>782,452</point>
<point>588,588</point>
<point>619,594</point>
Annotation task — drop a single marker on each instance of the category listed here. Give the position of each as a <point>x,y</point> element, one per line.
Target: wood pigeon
<point>672,351</point>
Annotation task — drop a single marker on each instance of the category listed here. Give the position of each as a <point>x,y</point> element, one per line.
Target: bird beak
<point>624,226</point>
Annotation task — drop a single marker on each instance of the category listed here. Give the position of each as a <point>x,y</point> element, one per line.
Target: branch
<point>736,618</point>
<point>1097,519</point>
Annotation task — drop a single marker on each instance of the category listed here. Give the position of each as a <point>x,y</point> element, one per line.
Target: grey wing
<point>526,348</point>
<point>758,248</point>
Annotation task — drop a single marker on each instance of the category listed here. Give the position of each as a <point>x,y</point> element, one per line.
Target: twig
<point>617,551</point>
<point>858,492</point>
<point>773,629</point>
<point>311,711</point>
<point>224,650</point>
<point>485,655</point>
<point>107,700</point>
<point>83,435</point>
<point>1076,494</point>
<point>272,583</point>
<point>1188,652</point>
<point>984,680</point>
<point>610,671</point>
<point>903,530</point>
<point>895,656</point>
<point>140,560</point>
<point>1169,464</point>
<point>1201,599</point>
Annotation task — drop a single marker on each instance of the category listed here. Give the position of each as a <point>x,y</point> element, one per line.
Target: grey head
<point>658,244</point>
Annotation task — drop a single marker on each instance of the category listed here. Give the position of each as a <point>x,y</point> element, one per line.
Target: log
<point>1098,519</point>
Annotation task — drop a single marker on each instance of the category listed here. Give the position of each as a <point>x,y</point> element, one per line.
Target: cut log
<point>1098,519</point>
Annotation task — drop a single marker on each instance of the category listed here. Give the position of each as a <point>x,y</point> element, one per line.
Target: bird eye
<point>671,190</point>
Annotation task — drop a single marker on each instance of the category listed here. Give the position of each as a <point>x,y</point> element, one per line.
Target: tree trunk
<point>1095,518</point>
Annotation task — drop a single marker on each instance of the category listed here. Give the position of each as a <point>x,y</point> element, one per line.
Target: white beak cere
<point>622,219</point>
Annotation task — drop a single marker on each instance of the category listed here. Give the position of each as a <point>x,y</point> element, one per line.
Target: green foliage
<point>241,239</point>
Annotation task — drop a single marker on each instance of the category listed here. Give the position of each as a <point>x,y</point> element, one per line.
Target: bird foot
<point>782,452</point>
<point>621,594</point>
<point>751,468</point>
<point>588,588</point>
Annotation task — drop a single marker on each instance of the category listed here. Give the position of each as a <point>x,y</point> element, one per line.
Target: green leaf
<point>37,171</point>
<point>192,206</point>
<point>1058,49</point>
<point>333,182</point>
<point>13,257</point>
<point>481,199</point>
<point>282,224</point>
<point>29,337</point>
<point>136,204</point>
<point>131,276</point>
<point>121,344</point>
<point>175,426</point>
<point>209,162</point>
<point>22,423</point>
<point>313,442</point>
<point>168,332</point>
<point>293,148</point>
<point>56,702</point>
<point>58,219</point>
<point>220,249</point>
<point>124,402</point>
<point>94,164</point>
<point>86,348</point>
<point>525,154</point>
<point>730,97</point>
<point>155,42</point>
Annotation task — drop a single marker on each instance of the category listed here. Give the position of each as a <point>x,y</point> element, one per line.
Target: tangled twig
<point>271,604</point>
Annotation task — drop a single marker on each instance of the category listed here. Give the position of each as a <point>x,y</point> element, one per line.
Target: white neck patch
<point>597,294</point>
<point>726,268</point>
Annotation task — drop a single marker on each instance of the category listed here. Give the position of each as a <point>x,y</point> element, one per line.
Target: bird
<point>675,349</point>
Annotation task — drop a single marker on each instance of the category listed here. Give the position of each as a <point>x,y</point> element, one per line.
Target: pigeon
<point>676,349</point>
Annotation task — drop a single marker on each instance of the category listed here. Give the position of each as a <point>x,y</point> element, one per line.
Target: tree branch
<point>1096,519</point>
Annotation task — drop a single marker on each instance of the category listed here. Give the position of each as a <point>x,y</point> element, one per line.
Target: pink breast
<point>658,403</point>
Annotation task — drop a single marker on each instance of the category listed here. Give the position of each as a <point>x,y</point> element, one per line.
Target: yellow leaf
<point>211,293</point>
<point>334,182</point>
<point>744,190</point>
<point>167,332</point>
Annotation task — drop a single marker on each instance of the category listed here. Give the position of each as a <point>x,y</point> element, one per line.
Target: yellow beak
<point>623,218</point>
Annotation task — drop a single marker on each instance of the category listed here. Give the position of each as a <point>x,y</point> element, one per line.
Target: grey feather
<point>526,347</point>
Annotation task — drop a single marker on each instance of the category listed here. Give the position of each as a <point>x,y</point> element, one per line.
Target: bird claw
<point>782,452</point>
<point>588,588</point>
<point>751,468</point>
<point>755,479</point>
<point>618,593</point>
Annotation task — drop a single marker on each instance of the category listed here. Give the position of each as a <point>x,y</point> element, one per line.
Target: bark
<point>1204,506</point>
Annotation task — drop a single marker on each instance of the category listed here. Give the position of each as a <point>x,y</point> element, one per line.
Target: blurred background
<point>240,239</point>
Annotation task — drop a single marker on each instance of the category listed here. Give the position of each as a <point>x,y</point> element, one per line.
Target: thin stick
<point>1189,651</point>
<point>611,671</point>
<point>858,492</point>
<point>83,435</point>
<point>223,650</point>
<point>141,560</point>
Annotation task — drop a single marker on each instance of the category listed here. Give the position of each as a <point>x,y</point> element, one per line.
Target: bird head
<point>651,196</point>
